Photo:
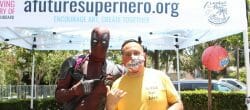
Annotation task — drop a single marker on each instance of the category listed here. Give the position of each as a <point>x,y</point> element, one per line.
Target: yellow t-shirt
<point>151,91</point>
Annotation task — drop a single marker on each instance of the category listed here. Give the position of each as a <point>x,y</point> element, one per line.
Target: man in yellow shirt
<point>141,88</point>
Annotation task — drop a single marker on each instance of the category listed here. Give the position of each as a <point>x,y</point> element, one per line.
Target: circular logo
<point>216,11</point>
<point>224,62</point>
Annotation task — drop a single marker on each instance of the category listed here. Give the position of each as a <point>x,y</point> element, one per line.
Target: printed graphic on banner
<point>103,19</point>
<point>101,11</point>
<point>96,8</point>
<point>216,11</point>
<point>147,14</point>
<point>87,12</point>
<point>7,9</point>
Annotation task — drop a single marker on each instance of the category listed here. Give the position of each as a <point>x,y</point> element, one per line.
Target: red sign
<point>215,58</point>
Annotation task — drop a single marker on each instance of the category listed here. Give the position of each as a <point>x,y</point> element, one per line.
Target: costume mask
<point>99,42</point>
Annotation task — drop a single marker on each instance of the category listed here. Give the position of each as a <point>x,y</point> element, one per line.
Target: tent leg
<point>246,52</point>
<point>32,82</point>
<point>178,70</point>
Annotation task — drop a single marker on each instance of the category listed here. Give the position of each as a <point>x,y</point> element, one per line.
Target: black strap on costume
<point>72,65</point>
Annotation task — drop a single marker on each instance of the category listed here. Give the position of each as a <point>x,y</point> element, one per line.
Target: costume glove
<point>89,85</point>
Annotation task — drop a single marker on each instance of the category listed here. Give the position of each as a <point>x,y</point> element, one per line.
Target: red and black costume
<point>82,82</point>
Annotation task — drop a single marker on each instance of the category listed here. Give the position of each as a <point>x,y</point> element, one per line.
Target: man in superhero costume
<point>83,79</point>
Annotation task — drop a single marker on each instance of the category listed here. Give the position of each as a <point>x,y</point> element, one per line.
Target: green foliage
<point>14,104</point>
<point>191,58</point>
<point>167,56</point>
<point>197,100</point>
<point>7,62</point>
<point>24,104</point>
<point>115,56</point>
<point>192,100</point>
<point>242,72</point>
<point>16,65</point>
<point>231,43</point>
<point>46,104</point>
<point>48,64</point>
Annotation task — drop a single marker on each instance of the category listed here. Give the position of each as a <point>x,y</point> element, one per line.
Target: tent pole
<point>178,62</point>
<point>32,81</point>
<point>33,72</point>
<point>246,52</point>
<point>178,69</point>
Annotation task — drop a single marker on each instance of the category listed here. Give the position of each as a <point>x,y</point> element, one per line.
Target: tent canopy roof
<point>182,23</point>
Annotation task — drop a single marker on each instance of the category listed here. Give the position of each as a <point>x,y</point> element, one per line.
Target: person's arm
<point>176,106</point>
<point>66,89</point>
<point>65,93</point>
<point>174,99</point>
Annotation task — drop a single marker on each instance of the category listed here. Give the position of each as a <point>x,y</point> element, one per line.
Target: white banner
<point>177,14</point>
<point>157,22</point>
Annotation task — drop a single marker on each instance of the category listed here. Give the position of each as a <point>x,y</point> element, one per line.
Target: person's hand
<point>113,97</point>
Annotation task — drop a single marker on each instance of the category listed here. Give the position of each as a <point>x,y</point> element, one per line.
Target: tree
<point>7,60</point>
<point>191,58</point>
<point>48,65</point>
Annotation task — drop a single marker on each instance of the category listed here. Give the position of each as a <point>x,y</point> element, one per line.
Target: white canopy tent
<point>193,22</point>
<point>162,25</point>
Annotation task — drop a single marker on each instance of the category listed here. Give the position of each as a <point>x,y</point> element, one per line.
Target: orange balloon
<point>215,58</point>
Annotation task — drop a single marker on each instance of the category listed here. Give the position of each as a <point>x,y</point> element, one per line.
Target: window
<point>232,82</point>
<point>220,87</point>
<point>186,86</point>
<point>199,86</point>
